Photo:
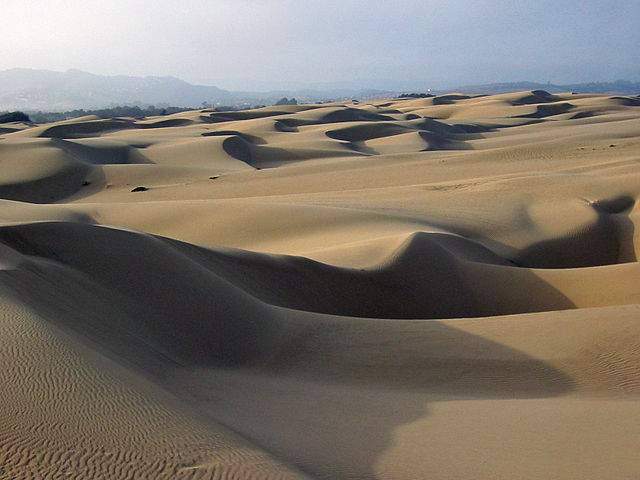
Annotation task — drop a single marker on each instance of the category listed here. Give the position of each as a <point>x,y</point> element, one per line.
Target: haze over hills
<point>30,89</point>
<point>622,87</point>
<point>46,90</point>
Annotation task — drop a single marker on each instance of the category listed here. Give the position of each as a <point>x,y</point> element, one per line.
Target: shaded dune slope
<point>428,276</point>
<point>221,319</point>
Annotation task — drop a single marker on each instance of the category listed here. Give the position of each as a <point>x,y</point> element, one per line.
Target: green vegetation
<point>7,117</point>
<point>120,111</point>
<point>287,101</point>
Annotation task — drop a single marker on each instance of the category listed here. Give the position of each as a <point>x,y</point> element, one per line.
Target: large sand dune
<point>441,288</point>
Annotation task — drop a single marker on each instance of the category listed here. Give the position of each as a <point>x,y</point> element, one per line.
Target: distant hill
<point>45,90</point>
<point>622,87</point>
<point>27,89</point>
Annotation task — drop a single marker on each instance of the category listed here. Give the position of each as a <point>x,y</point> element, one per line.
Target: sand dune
<point>438,288</point>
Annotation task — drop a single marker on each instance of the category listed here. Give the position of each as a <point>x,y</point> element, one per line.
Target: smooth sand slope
<point>441,288</point>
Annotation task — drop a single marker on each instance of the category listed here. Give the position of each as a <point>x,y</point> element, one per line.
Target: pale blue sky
<point>251,44</point>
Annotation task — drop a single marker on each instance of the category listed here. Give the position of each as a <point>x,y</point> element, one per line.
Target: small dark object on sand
<point>140,189</point>
<point>214,177</point>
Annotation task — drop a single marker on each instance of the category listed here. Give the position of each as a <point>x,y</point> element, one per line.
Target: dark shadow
<point>363,132</point>
<point>474,128</point>
<point>286,126</point>
<point>435,126</point>
<point>599,244</point>
<point>619,209</point>
<point>449,99</point>
<point>105,154</point>
<point>238,148</point>
<point>362,148</point>
<point>430,276</point>
<point>87,129</point>
<point>168,123</point>
<point>543,111</point>
<point>437,135</point>
<point>54,188</point>
<point>218,117</point>
<point>6,129</point>
<point>75,179</point>
<point>266,156</point>
<point>585,114</point>
<point>537,96</point>
<point>352,115</point>
<point>332,399</point>
<point>326,393</point>
<point>628,101</point>
<point>245,136</point>
<point>443,142</point>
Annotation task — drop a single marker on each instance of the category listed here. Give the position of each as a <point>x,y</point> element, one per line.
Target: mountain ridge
<point>47,90</point>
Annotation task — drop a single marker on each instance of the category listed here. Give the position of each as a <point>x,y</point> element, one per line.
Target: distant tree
<point>416,95</point>
<point>287,101</point>
<point>14,117</point>
<point>119,111</point>
<point>225,108</point>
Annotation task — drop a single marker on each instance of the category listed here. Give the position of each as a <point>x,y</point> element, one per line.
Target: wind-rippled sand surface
<point>425,288</point>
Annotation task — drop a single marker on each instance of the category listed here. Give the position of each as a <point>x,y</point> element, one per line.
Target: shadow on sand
<point>322,392</point>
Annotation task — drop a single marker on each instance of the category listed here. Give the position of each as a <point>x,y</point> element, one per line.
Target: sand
<point>403,289</point>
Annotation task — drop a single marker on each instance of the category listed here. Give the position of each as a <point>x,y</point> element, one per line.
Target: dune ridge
<point>440,287</point>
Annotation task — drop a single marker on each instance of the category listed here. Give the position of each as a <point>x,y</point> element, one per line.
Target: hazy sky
<point>250,44</point>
